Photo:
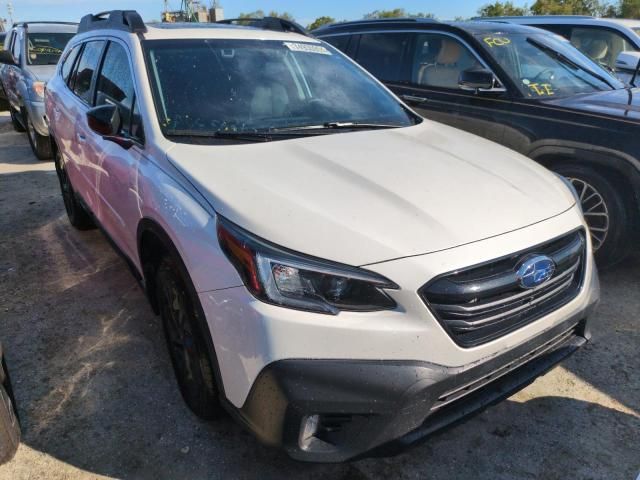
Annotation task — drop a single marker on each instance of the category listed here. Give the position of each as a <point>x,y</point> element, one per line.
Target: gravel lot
<point>97,396</point>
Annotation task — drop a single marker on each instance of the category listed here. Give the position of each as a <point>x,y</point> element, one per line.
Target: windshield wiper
<point>338,126</point>
<point>246,135</point>
<point>566,60</point>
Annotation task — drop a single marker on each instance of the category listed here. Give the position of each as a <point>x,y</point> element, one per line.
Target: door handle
<point>414,99</point>
<point>81,138</point>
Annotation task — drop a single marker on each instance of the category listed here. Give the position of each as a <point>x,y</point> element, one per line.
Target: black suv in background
<point>527,89</point>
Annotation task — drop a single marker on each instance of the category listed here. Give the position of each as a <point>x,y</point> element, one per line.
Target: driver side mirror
<point>6,57</point>
<point>105,121</point>
<point>628,67</point>
<point>476,79</point>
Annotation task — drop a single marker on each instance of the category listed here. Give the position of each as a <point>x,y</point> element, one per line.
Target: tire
<point>40,145</point>
<point>604,211</point>
<point>78,216</point>
<point>15,120</point>
<point>193,367</point>
<point>9,422</point>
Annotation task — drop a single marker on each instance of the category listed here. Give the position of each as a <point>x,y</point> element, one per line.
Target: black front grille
<point>478,304</point>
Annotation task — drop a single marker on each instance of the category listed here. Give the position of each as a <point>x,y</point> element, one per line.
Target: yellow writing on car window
<point>542,89</point>
<point>496,41</point>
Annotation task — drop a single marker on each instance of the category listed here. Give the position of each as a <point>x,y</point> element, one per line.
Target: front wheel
<point>9,424</point>
<point>15,120</point>
<point>185,340</point>
<point>41,145</point>
<point>604,211</point>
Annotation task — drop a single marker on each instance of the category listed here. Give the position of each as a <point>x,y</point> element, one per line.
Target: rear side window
<point>67,66</point>
<point>382,54</point>
<point>341,42</point>
<point>86,67</point>
<point>115,83</point>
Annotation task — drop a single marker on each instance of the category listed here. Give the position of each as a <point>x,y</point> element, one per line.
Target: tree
<point>272,13</point>
<point>567,7</point>
<point>256,14</point>
<point>320,21</point>
<point>283,15</point>
<point>629,9</point>
<point>502,9</point>
<point>395,13</point>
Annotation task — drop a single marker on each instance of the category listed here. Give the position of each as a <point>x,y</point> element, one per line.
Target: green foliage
<point>629,9</point>
<point>261,14</point>
<point>395,13</point>
<point>502,9</point>
<point>320,21</point>
<point>567,7</point>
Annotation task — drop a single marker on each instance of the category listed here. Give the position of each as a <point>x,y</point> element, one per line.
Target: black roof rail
<point>268,23</point>
<point>127,20</point>
<point>25,24</point>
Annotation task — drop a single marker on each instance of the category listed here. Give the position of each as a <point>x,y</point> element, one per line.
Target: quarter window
<point>115,83</point>
<point>439,60</point>
<point>382,54</point>
<point>67,66</point>
<point>83,74</point>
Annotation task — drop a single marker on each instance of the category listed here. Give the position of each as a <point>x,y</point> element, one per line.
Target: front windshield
<point>203,87</point>
<point>543,65</point>
<point>46,48</point>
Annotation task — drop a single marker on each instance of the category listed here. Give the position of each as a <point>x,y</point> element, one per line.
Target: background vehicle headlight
<point>38,90</point>
<point>282,277</point>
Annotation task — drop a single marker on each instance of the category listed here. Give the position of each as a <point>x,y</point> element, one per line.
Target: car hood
<point>623,103</point>
<point>42,73</point>
<point>371,196</point>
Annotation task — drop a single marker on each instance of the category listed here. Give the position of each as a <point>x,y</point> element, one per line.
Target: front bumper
<point>381,407</point>
<point>37,114</point>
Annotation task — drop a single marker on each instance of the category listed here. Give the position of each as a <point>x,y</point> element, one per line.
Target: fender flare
<point>145,225</point>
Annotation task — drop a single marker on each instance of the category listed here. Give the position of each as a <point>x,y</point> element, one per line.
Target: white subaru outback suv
<point>340,274</point>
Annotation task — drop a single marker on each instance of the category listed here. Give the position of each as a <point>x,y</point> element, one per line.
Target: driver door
<point>428,81</point>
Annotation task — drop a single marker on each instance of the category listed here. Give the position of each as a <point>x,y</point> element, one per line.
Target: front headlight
<point>38,90</point>
<point>282,277</point>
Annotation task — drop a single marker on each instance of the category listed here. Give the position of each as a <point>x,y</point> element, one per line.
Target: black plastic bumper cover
<point>376,408</point>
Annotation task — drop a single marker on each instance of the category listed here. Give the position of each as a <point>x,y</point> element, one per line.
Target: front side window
<point>204,87</point>
<point>46,48</point>
<point>341,42</point>
<point>439,60</point>
<point>382,55</point>
<point>15,47</point>
<point>544,65</point>
<point>601,45</point>
<point>86,66</point>
<point>115,83</point>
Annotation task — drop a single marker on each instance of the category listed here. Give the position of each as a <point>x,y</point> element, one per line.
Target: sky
<point>304,11</point>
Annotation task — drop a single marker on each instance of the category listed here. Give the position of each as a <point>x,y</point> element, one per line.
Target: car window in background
<point>87,65</point>
<point>547,65</point>
<point>46,48</point>
<point>382,54</point>
<point>210,86</point>
<point>115,83</point>
<point>601,45</point>
<point>439,60</point>
<point>3,37</point>
<point>67,66</point>
<point>341,42</point>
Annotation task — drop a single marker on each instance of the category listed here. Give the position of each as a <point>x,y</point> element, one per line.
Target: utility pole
<point>10,11</point>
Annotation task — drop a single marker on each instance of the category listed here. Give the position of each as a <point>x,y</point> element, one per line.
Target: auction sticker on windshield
<point>307,48</point>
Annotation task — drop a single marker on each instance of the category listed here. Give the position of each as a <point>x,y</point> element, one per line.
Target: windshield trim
<point>413,118</point>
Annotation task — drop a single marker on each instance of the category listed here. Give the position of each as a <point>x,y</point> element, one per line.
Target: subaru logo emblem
<point>534,271</point>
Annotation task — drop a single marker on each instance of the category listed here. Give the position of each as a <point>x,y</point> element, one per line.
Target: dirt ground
<point>97,396</point>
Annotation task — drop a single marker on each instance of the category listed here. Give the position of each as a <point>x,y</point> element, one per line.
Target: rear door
<point>76,104</point>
